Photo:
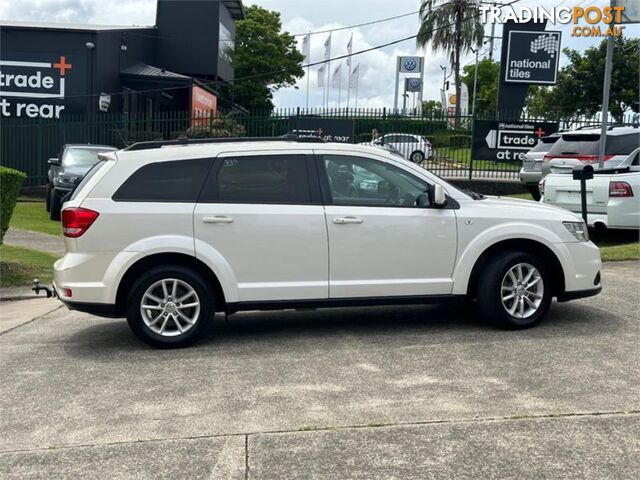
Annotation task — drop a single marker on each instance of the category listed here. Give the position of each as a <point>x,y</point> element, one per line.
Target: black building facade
<point>52,70</point>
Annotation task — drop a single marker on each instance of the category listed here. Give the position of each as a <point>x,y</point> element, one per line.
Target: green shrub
<point>223,126</point>
<point>10,183</point>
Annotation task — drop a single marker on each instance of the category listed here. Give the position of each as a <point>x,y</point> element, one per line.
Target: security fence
<point>441,144</point>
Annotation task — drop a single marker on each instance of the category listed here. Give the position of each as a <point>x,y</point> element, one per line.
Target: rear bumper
<point>98,309</point>
<point>530,177</point>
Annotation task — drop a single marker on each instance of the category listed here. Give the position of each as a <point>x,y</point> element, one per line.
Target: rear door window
<point>260,179</point>
<point>177,181</point>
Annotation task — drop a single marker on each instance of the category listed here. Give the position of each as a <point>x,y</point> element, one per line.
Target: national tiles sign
<point>532,57</point>
<point>507,141</point>
<point>39,87</point>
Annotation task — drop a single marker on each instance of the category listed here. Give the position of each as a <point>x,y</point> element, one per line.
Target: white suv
<point>167,233</point>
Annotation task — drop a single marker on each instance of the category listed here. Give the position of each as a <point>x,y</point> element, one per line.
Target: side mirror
<point>439,198</point>
<point>54,161</point>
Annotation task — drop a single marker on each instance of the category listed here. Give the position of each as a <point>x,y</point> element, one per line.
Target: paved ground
<point>35,241</point>
<point>412,392</point>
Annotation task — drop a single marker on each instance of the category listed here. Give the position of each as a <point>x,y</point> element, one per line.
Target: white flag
<point>349,49</point>
<point>327,48</point>
<point>306,47</point>
<point>353,78</point>
<point>321,75</point>
<point>336,80</point>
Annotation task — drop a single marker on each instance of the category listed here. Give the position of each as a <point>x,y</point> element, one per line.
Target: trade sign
<point>330,129</point>
<point>38,85</point>
<point>507,141</point>
<point>532,57</point>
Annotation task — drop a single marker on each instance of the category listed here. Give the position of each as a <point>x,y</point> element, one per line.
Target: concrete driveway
<point>411,392</point>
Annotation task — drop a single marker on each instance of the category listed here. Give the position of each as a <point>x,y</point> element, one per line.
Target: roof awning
<point>235,8</point>
<point>142,71</point>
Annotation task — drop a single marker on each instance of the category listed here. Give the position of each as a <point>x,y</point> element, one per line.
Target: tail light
<point>76,221</point>
<point>582,158</point>
<point>620,189</point>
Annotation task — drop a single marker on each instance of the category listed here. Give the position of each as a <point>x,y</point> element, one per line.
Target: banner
<point>306,47</point>
<point>507,141</point>
<point>336,79</point>
<point>203,106</point>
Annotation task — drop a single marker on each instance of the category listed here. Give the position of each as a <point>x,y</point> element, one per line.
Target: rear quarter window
<point>175,181</point>
<point>86,178</point>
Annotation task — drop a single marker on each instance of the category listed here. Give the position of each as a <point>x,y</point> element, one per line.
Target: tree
<point>578,91</point>
<point>452,26</point>
<point>432,108</point>
<point>263,51</point>
<point>487,85</point>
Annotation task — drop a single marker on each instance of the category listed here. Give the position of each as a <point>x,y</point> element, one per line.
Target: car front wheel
<point>417,157</point>
<point>515,290</point>
<point>169,307</point>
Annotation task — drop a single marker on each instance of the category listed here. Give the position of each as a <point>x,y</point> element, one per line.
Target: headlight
<point>578,230</point>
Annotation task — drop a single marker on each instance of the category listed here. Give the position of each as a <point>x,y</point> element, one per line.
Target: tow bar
<point>48,290</point>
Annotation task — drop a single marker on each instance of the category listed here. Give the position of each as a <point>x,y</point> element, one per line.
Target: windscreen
<point>544,144</point>
<point>576,144</point>
<point>76,157</point>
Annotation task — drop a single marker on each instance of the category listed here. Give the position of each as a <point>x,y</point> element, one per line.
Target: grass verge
<point>33,217</point>
<point>19,266</point>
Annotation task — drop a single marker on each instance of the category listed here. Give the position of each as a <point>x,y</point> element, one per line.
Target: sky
<point>377,68</point>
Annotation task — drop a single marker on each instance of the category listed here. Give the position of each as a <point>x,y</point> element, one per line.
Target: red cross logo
<point>62,65</point>
<point>539,132</point>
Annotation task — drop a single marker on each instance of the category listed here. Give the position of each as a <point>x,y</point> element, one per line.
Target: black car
<point>67,169</point>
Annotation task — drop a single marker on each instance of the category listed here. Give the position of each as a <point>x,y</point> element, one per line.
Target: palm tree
<point>452,26</point>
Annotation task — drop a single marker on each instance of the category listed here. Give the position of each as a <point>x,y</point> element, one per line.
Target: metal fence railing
<point>26,144</point>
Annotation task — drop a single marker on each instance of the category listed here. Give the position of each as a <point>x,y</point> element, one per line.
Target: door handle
<point>345,220</point>
<point>217,219</point>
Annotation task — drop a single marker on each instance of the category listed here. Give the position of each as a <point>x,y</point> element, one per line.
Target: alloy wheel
<point>170,307</point>
<point>522,290</point>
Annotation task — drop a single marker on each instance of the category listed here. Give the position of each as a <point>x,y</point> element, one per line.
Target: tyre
<point>54,205</point>
<point>534,191</point>
<point>514,290</point>
<point>417,157</point>
<point>48,197</point>
<point>170,306</point>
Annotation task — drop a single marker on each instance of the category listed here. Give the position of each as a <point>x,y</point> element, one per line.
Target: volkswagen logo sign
<point>410,64</point>
<point>414,83</point>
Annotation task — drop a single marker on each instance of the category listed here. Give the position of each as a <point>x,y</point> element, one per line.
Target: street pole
<point>608,66</point>
<point>395,97</point>
<point>475,88</point>
<point>493,32</point>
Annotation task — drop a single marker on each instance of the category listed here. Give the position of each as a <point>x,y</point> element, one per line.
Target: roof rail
<point>183,140</point>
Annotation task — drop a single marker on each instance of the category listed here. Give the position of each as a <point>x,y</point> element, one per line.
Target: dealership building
<point>52,70</point>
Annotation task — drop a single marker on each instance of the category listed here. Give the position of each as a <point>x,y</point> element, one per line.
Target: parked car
<point>531,172</point>
<point>612,195</point>
<point>412,147</point>
<point>167,233</point>
<point>581,147</point>
<point>66,170</point>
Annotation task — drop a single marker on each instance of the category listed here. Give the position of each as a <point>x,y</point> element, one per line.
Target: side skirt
<point>343,302</point>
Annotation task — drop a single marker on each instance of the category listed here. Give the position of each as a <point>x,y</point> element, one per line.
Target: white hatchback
<point>167,233</point>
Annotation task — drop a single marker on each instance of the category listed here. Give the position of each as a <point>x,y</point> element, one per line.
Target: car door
<point>263,216</point>
<point>380,243</point>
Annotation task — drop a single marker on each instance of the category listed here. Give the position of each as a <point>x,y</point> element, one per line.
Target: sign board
<point>330,129</point>
<point>532,57</point>
<point>507,141</point>
<point>412,84</point>
<point>42,85</point>
<point>104,101</point>
<point>410,64</point>
<point>204,105</point>
<point>631,12</point>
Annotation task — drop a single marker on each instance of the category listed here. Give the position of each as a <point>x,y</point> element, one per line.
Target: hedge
<point>10,183</point>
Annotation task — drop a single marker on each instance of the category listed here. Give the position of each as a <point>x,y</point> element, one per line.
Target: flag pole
<point>308,67</point>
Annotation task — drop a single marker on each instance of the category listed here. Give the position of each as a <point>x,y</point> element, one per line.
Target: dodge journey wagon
<point>168,233</point>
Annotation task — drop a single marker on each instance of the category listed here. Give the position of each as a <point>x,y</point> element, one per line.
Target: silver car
<point>531,172</point>
<point>581,147</point>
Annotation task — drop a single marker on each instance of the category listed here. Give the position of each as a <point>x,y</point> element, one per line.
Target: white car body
<point>284,254</point>
<point>411,146</point>
<point>612,198</point>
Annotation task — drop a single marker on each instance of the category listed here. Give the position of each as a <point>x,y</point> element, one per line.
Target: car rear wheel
<point>48,197</point>
<point>54,205</point>
<point>515,290</point>
<point>417,157</point>
<point>169,307</point>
